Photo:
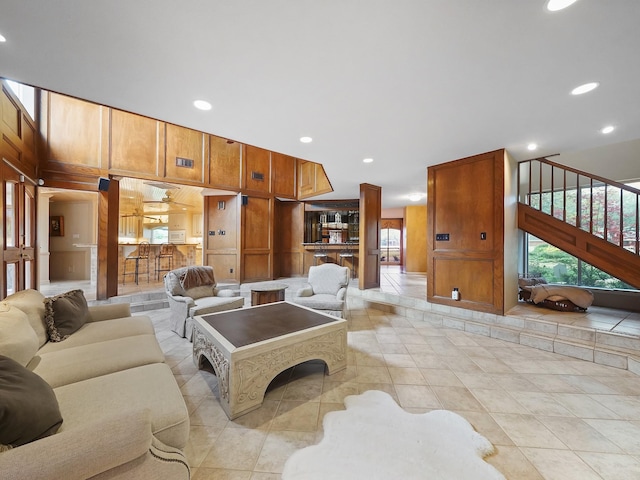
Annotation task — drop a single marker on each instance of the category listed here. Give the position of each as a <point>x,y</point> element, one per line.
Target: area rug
<point>374,438</point>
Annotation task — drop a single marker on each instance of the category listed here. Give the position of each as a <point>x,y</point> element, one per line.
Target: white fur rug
<point>374,438</point>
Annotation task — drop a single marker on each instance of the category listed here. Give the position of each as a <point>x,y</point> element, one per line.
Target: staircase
<point>592,218</point>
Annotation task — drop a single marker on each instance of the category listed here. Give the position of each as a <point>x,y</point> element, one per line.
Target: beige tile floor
<point>549,416</point>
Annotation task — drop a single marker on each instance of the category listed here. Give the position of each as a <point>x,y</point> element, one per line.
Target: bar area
<point>332,233</point>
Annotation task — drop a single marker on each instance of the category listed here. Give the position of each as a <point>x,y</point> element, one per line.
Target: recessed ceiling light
<point>587,87</point>
<point>202,105</point>
<point>608,129</point>
<point>415,197</point>
<point>2,39</point>
<point>306,139</point>
<point>555,5</point>
<point>532,146</point>
<point>367,160</point>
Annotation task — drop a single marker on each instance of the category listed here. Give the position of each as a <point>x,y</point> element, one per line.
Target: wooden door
<point>19,264</point>
<point>369,250</point>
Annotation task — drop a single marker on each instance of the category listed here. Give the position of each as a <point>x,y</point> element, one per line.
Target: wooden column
<point>108,208</point>
<point>369,250</point>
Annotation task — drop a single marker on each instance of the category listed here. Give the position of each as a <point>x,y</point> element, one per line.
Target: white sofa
<point>193,291</point>
<point>123,415</point>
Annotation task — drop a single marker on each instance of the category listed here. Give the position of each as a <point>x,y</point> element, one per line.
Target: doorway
<point>391,251</point>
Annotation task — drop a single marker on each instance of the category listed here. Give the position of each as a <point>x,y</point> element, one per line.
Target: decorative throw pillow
<point>200,292</point>
<point>65,314</point>
<point>28,407</point>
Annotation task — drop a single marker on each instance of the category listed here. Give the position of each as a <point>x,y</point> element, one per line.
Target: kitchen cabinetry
<point>196,224</point>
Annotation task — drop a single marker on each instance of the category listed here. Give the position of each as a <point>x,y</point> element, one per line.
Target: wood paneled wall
<point>84,141</point>
<point>466,202</point>
<point>415,253</point>
<point>289,235</point>
<point>221,241</point>
<point>18,135</point>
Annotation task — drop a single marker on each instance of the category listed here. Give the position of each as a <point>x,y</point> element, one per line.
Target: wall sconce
<point>221,205</point>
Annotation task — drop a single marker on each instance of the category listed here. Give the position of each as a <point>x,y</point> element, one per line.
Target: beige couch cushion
<point>17,339</point>
<point>150,386</point>
<point>87,361</point>
<point>94,332</point>
<point>31,302</point>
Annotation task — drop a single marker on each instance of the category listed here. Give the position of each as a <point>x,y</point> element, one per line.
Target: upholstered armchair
<point>192,291</point>
<point>326,290</point>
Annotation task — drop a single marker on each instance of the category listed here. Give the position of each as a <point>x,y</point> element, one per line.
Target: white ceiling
<point>410,83</point>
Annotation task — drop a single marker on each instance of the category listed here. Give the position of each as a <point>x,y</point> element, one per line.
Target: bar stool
<point>166,252</point>
<point>347,254</point>
<point>142,253</point>
<point>320,252</point>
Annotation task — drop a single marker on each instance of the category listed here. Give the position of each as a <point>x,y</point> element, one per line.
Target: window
<point>26,95</point>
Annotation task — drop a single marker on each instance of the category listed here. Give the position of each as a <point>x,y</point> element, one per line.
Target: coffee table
<point>249,347</point>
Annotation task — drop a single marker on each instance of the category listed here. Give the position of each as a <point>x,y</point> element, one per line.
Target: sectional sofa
<point>122,413</point>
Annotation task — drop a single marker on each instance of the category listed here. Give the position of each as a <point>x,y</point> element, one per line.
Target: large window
<point>557,266</point>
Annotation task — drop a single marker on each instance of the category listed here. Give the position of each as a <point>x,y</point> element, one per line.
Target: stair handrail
<point>605,182</point>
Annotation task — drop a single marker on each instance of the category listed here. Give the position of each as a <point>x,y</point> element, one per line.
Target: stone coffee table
<point>249,347</point>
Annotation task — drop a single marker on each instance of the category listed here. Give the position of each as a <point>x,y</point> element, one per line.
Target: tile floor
<point>549,416</point>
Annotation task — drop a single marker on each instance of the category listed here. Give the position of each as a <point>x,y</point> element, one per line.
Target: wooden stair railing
<point>590,217</point>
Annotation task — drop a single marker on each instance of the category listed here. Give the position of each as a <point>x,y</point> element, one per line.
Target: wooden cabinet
<point>178,221</point>
<point>129,227</point>
<point>196,224</point>
<point>312,180</point>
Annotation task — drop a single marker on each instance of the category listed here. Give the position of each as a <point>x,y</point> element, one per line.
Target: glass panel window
<point>26,95</point>
<point>10,219</point>
<point>11,278</point>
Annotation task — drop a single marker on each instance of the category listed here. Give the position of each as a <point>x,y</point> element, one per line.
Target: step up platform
<point>598,346</point>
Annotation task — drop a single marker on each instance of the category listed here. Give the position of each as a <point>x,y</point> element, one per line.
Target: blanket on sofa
<point>197,276</point>
<point>582,297</point>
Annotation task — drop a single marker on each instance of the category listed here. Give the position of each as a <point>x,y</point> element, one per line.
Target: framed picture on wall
<point>56,226</point>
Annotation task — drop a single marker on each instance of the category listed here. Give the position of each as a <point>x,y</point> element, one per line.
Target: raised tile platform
<point>590,344</point>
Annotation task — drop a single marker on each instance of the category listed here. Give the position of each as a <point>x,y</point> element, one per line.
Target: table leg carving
<point>202,346</point>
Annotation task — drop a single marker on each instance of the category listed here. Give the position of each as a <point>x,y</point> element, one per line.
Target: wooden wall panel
<point>137,145</point>
<point>224,266</point>
<point>224,163</point>
<point>185,143</point>
<point>255,265</point>
<point>415,223</point>
<point>11,114</point>
<point>257,161</point>
<point>75,131</point>
<point>466,201</point>
<point>17,134</point>
<point>283,177</point>
<point>323,185</point>
<point>464,274</point>
<point>289,235</point>
<point>257,239</point>
<point>222,250</point>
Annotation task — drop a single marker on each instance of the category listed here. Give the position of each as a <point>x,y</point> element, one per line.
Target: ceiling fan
<point>137,213</point>
<point>167,199</point>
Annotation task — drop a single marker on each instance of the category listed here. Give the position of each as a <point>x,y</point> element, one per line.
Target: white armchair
<point>192,291</point>
<point>326,290</point>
